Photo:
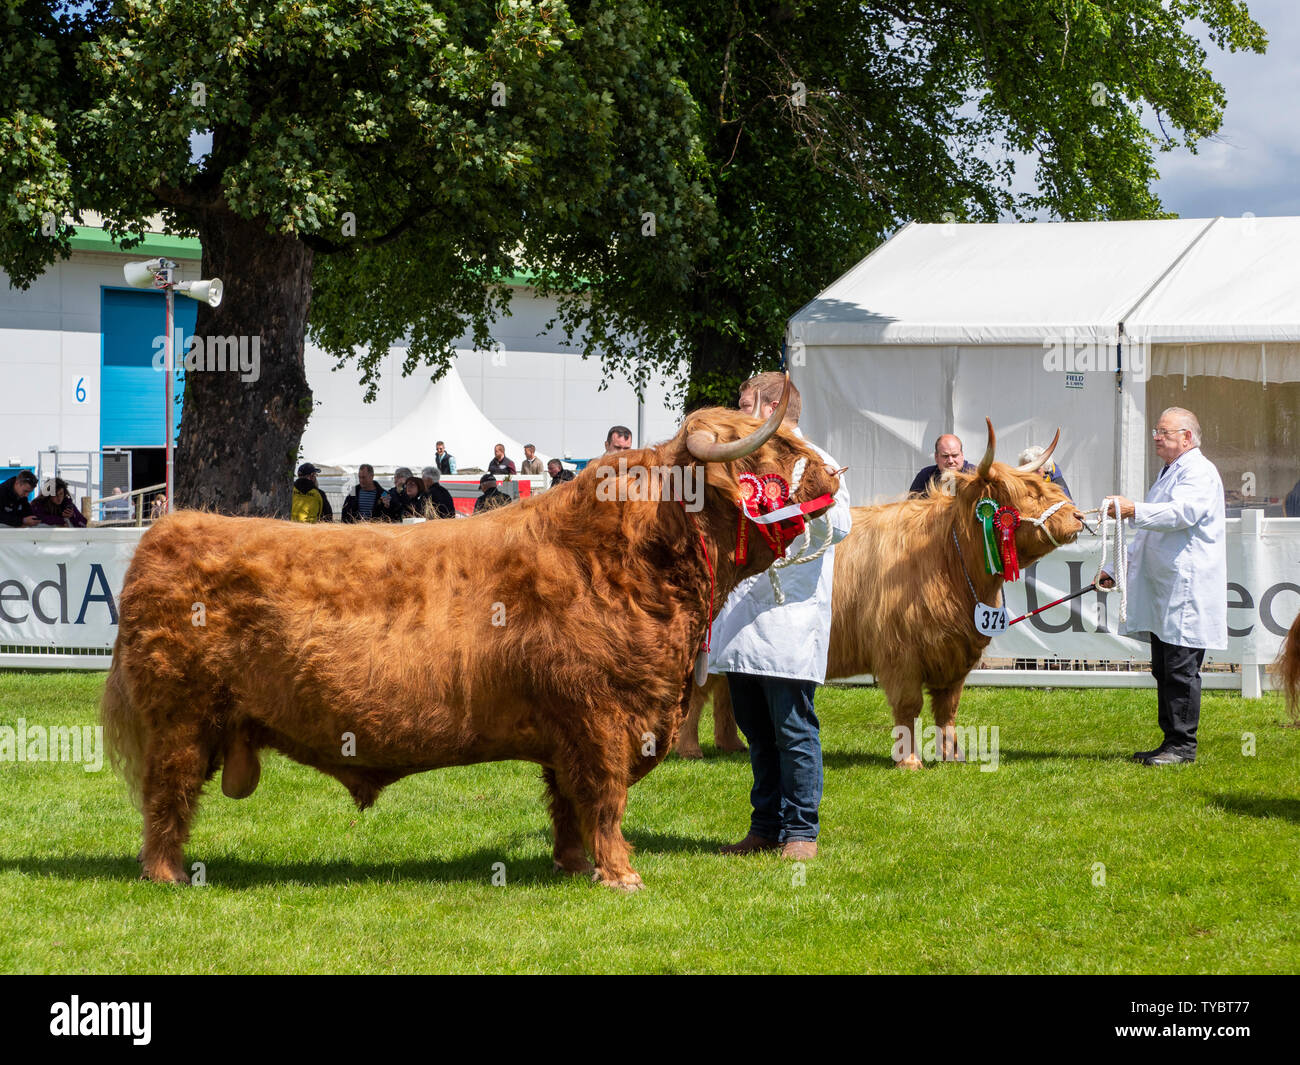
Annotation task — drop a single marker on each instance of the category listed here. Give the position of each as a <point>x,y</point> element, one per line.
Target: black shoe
<point>1142,756</point>
<point>1169,758</point>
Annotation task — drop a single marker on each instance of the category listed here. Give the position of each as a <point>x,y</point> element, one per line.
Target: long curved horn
<point>705,447</point>
<point>986,463</point>
<point>1037,464</point>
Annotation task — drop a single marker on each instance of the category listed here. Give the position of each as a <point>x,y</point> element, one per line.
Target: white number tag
<point>990,620</point>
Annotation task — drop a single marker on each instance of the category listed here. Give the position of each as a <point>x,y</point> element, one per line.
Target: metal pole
<point>171,305</point>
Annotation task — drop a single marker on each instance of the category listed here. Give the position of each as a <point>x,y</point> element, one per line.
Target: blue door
<point>134,323</point>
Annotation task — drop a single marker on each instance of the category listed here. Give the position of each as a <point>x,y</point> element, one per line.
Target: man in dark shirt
<point>434,493</point>
<point>368,502</point>
<point>500,464</point>
<point>948,455</point>
<point>15,509</point>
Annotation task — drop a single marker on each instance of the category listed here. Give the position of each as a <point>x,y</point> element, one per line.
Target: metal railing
<point>135,507</point>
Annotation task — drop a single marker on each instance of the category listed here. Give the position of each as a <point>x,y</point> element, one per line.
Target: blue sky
<point>1254,163</point>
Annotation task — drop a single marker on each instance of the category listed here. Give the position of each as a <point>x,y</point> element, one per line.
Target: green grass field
<point>946,870</point>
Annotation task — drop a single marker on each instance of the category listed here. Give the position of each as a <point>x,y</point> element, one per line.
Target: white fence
<point>59,588</point>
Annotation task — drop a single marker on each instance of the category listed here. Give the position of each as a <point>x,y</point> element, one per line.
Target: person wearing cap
<point>309,503</point>
<point>54,506</point>
<point>15,510</point>
<point>492,496</point>
<point>435,495</point>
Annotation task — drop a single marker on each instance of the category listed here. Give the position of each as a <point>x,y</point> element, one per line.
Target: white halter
<point>1041,520</point>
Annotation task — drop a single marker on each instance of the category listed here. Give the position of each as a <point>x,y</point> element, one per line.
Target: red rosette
<point>776,492</point>
<point>1006,521</point>
<point>751,493</point>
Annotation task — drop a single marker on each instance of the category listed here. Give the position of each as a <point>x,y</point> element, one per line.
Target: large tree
<point>683,176</point>
<point>828,123</point>
<point>375,167</point>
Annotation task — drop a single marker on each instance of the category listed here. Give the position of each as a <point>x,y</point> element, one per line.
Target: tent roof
<point>1017,283</point>
<point>445,412</point>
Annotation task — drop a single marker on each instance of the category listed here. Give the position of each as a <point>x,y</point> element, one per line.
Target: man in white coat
<point>774,657</point>
<point>1178,579</point>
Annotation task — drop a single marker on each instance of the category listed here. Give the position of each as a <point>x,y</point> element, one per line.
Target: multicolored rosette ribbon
<point>1006,521</point>
<point>985,510</point>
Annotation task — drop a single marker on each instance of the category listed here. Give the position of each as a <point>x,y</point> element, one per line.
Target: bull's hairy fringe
<point>1287,670</point>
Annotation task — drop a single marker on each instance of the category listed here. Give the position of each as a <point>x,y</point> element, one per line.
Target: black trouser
<point>1178,692</point>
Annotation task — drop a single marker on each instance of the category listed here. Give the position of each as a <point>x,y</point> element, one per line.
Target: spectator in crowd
<point>554,467</point>
<point>948,455</point>
<point>399,479</point>
<point>619,438</point>
<point>117,505</point>
<point>158,507</point>
<point>531,463</point>
<point>15,510</point>
<point>437,500</point>
<point>500,464</point>
<point>1291,508</point>
<point>368,502</point>
<point>446,460</point>
<point>309,503</point>
<point>410,503</point>
<point>567,475</point>
<point>1051,472</point>
<point>492,496</point>
<point>54,506</point>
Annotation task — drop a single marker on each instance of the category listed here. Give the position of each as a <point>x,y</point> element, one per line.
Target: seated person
<point>948,455</point>
<point>435,496</point>
<point>54,506</point>
<point>492,496</point>
<point>1051,472</point>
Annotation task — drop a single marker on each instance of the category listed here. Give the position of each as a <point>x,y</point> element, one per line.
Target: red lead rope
<point>708,639</point>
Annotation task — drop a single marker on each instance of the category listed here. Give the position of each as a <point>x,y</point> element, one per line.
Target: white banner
<point>1263,600</point>
<point>59,587</point>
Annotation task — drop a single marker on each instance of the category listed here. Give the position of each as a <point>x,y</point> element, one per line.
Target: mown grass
<point>946,870</point>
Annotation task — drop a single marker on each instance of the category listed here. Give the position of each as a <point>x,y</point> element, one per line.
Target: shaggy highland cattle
<point>901,608</point>
<point>559,630</point>
<point>1287,669</point>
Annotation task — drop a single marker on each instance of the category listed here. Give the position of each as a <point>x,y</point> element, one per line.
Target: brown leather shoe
<point>751,844</point>
<point>799,850</point>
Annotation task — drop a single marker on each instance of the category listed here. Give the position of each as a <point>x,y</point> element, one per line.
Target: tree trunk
<point>719,366</point>
<point>238,447</point>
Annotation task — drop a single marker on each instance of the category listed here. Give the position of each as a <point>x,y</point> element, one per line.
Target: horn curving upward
<point>705,447</point>
<point>986,463</point>
<point>1037,464</point>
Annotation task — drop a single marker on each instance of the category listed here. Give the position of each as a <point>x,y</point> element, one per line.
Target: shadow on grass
<point>239,873</point>
<point>1258,806</point>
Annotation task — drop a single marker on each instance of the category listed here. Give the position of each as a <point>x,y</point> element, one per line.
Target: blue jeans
<point>776,715</point>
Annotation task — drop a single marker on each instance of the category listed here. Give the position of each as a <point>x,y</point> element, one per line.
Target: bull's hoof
<point>910,762</point>
<point>163,874</point>
<point>953,755</point>
<point>691,750</point>
<point>731,746</point>
<point>628,882</point>
<point>574,867</point>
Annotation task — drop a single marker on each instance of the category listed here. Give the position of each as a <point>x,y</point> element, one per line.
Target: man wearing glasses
<point>1178,579</point>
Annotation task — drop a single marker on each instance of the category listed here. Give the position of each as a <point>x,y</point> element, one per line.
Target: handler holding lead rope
<point>771,640</point>
<point>1178,579</point>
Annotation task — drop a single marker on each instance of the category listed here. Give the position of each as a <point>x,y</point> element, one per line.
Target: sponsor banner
<point>1263,600</point>
<point>59,587</point>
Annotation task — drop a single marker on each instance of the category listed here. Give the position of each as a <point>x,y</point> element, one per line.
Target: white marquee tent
<point>447,412</point>
<point>1091,326</point>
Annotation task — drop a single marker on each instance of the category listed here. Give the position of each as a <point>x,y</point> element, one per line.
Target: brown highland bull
<point>1287,669</point>
<point>559,630</point>
<point>900,606</point>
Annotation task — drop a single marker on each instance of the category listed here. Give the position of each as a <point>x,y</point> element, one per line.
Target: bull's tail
<point>124,729</point>
<point>1287,669</point>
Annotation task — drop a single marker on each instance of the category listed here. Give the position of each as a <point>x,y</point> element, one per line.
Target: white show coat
<point>1178,560</point>
<point>752,634</point>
